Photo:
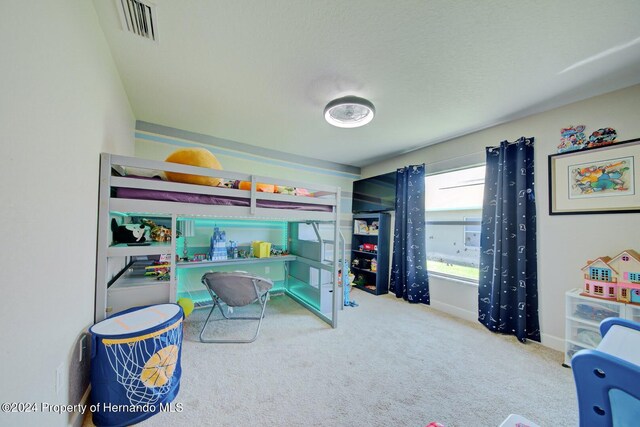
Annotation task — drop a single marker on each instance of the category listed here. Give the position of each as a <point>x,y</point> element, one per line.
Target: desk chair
<point>235,289</point>
<point>608,377</point>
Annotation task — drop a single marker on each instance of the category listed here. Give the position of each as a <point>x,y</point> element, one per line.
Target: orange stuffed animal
<point>260,186</point>
<point>194,156</point>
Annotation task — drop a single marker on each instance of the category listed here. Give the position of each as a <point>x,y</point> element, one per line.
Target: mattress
<point>208,199</point>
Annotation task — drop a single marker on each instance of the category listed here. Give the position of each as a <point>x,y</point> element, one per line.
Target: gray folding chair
<point>235,289</point>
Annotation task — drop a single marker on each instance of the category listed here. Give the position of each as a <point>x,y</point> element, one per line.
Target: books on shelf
<point>373,228</point>
<point>360,227</point>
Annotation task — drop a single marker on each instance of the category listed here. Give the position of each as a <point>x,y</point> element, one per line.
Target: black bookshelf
<point>370,252</point>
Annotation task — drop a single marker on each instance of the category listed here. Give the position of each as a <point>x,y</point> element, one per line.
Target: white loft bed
<point>123,195</point>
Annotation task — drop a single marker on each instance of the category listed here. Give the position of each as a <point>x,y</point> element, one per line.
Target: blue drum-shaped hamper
<point>135,363</point>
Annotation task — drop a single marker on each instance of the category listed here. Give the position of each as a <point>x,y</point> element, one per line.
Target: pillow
<point>147,173</point>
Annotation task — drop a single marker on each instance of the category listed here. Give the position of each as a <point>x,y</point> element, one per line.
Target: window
<point>472,232</point>
<point>624,292</point>
<point>634,277</point>
<point>600,274</point>
<point>612,292</point>
<point>625,258</point>
<point>453,212</point>
<point>598,290</point>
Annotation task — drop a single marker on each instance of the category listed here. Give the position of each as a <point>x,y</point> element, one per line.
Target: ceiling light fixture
<point>349,112</point>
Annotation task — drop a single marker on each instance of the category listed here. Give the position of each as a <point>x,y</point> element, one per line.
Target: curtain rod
<point>526,139</point>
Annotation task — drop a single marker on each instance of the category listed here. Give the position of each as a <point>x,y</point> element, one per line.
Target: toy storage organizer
<point>583,317</point>
<point>135,363</point>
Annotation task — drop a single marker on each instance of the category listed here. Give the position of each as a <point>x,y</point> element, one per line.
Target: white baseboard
<point>547,340</point>
<point>455,311</point>
<point>552,342</point>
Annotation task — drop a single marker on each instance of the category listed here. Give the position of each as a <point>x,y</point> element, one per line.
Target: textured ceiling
<point>261,72</point>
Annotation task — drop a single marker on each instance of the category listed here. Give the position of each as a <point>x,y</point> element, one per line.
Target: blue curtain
<point>508,285</point>
<point>409,278</point>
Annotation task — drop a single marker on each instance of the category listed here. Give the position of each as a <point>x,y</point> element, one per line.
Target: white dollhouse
<point>616,278</point>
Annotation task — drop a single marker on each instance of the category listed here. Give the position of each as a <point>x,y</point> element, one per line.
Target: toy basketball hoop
<point>135,363</point>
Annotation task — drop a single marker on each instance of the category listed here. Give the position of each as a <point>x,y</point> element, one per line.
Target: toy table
<point>607,377</point>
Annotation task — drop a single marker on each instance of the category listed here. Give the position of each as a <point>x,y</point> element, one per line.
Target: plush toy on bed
<point>194,156</point>
<point>158,233</point>
<point>260,186</point>
<point>128,233</point>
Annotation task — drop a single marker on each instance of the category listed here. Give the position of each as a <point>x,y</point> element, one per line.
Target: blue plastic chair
<point>608,386</point>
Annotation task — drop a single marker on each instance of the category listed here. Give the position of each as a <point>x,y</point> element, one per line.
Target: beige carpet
<point>389,363</point>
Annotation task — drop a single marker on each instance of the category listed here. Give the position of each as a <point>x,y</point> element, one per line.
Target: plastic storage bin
<point>135,363</point>
<point>583,317</point>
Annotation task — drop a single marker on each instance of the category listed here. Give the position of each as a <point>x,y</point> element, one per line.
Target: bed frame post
<point>103,238</point>
<point>253,194</point>
<point>337,299</point>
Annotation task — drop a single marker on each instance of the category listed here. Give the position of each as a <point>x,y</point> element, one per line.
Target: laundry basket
<point>135,363</point>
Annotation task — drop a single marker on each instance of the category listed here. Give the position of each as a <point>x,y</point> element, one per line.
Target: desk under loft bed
<point>308,273</point>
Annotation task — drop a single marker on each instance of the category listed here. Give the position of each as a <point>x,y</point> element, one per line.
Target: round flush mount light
<point>349,112</point>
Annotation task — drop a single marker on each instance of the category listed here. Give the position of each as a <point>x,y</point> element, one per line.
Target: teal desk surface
<point>236,261</point>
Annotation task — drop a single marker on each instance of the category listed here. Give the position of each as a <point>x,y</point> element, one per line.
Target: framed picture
<point>596,180</point>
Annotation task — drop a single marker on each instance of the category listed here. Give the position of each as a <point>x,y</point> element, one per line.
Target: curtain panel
<point>409,279</point>
<point>508,286</point>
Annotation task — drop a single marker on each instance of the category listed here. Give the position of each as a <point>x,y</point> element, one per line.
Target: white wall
<point>62,104</point>
<point>565,243</point>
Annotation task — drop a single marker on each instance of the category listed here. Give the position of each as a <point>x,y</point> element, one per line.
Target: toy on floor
<point>515,420</point>
<point>346,285</point>
<point>187,306</point>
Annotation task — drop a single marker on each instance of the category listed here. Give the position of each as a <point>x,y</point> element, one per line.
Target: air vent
<point>138,17</point>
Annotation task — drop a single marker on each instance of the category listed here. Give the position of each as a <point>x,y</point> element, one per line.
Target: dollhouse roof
<point>630,252</point>
<point>605,259</point>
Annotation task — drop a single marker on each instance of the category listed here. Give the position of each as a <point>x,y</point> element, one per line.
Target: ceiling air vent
<point>138,17</point>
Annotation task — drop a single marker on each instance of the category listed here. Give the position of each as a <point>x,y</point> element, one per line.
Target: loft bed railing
<point>323,195</point>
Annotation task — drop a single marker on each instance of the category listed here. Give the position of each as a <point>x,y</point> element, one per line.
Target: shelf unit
<point>133,288</point>
<point>583,317</point>
<point>375,282</point>
<point>121,279</point>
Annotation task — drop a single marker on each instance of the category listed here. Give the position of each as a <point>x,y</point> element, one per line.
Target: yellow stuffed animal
<point>194,156</point>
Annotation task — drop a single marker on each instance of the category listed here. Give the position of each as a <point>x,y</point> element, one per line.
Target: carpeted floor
<point>388,363</point>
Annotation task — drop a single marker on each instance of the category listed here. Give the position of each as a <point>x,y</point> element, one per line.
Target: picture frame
<point>599,180</point>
